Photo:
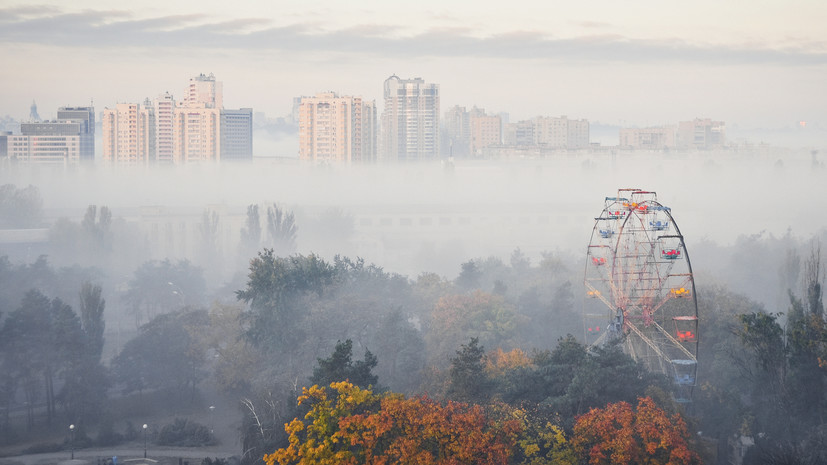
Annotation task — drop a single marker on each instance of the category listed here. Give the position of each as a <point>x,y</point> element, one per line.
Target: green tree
<point>251,232</point>
<point>92,306</point>
<point>281,230</point>
<point>275,290</point>
<point>469,382</point>
<point>166,354</point>
<point>340,367</point>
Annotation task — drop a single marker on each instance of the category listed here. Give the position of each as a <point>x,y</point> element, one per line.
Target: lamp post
<point>72,439</point>
<point>176,289</point>
<point>212,419</point>
<point>144,427</point>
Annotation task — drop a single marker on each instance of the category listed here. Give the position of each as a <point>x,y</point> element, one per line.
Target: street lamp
<point>72,439</point>
<point>176,289</point>
<point>212,419</point>
<point>144,440</point>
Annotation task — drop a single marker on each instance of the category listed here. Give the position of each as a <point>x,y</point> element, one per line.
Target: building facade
<point>701,134</point>
<point>456,138</point>
<point>337,128</point>
<point>128,134</point>
<point>85,118</point>
<point>410,120</point>
<point>655,138</point>
<point>237,134</point>
<point>205,90</point>
<point>196,134</point>
<point>486,131</point>
<point>70,139</point>
<point>164,109</point>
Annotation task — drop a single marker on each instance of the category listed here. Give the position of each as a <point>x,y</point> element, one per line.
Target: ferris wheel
<point>639,287</point>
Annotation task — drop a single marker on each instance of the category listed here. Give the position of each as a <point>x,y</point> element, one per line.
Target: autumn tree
<point>488,317</point>
<point>357,426</point>
<point>622,435</point>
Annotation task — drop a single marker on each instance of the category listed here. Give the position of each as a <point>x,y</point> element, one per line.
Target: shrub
<point>185,433</point>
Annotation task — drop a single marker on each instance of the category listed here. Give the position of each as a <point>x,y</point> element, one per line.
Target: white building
<point>410,120</point>
<point>337,128</point>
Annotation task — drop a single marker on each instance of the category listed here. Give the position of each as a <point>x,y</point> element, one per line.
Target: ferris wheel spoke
<point>675,342</point>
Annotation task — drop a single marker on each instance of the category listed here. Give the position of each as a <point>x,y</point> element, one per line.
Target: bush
<point>44,447</point>
<point>184,433</point>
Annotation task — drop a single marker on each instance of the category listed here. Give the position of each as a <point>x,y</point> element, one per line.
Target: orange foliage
<point>619,435</point>
<point>498,362</point>
<point>352,428</point>
<point>421,431</point>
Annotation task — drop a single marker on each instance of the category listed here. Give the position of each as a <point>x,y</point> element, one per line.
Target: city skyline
<point>633,65</point>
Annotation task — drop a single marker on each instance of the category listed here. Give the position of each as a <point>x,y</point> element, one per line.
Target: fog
<point>533,204</point>
<point>746,217</point>
<point>432,217</point>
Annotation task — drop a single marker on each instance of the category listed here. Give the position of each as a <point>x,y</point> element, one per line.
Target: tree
<point>621,435</point>
<point>166,354</point>
<point>251,232</point>
<point>275,289</point>
<point>97,234</point>
<point>210,255</point>
<point>469,277</point>
<point>160,287</point>
<point>281,230</point>
<point>91,315</point>
<point>357,426</point>
<point>481,315</point>
<point>469,382</point>
<point>20,208</point>
<point>340,367</point>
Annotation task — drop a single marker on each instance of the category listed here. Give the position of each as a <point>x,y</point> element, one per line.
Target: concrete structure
<point>456,138</point>
<point>237,134</point>
<point>334,128</point>
<point>701,134</point>
<point>561,133</point>
<point>656,138</point>
<point>205,90</point>
<point>486,131</point>
<point>85,117</point>
<point>196,134</point>
<point>128,134</point>
<point>410,120</point>
<point>164,109</point>
<point>69,139</point>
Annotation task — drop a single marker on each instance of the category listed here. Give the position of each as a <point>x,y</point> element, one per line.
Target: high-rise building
<point>457,136</point>
<point>128,134</point>
<point>486,130</point>
<point>205,90</point>
<point>410,120</point>
<point>337,128</point>
<point>237,134</point>
<point>164,109</point>
<point>69,139</point>
<point>85,117</point>
<point>196,134</point>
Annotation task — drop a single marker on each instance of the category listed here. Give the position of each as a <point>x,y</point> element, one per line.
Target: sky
<point>756,64</point>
